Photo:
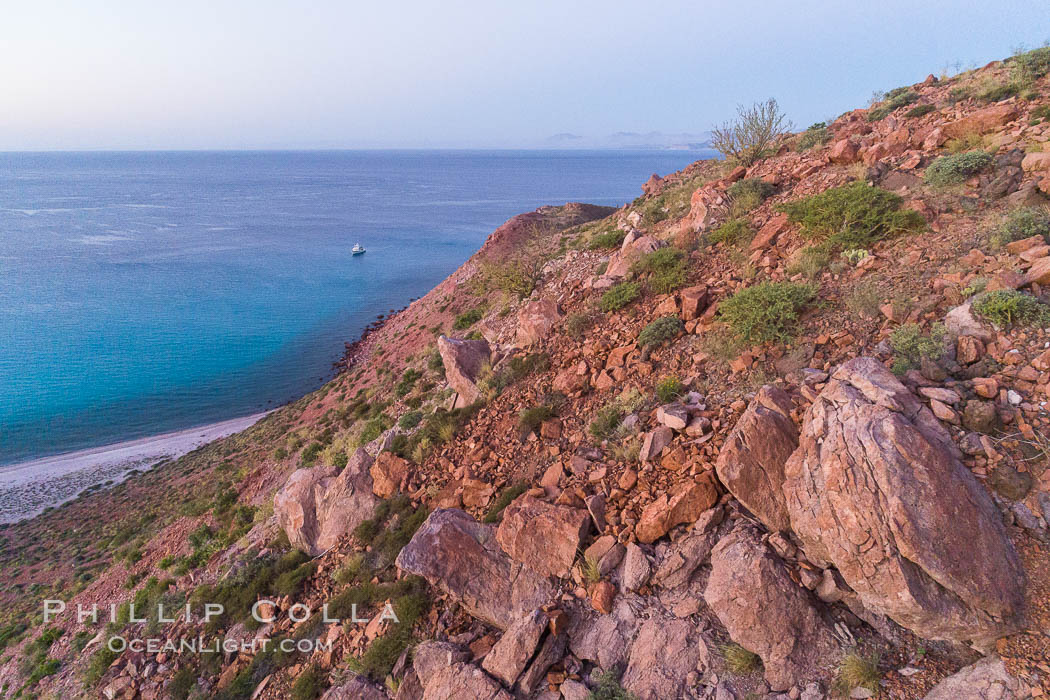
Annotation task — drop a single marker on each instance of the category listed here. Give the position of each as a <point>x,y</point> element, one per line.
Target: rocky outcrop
<point>317,506</point>
<point>357,688</point>
<point>751,463</point>
<point>876,489</point>
<point>662,656</point>
<point>535,321</point>
<point>431,656</point>
<point>634,248</point>
<point>456,553</point>
<point>511,654</point>
<point>543,536</point>
<point>463,360</point>
<point>765,611</point>
<point>685,505</point>
<point>463,680</point>
<point>985,680</point>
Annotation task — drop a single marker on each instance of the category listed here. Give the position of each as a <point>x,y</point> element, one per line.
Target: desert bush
<point>608,687</point>
<point>660,331</point>
<point>668,389</point>
<point>1040,114</point>
<point>731,232</point>
<point>530,418</point>
<point>619,296</point>
<point>410,420</point>
<point>664,269</point>
<point>767,311</point>
<point>894,99</point>
<point>739,661</point>
<point>998,92</point>
<point>919,111</point>
<point>749,193</point>
<point>607,239</point>
<point>956,168</point>
<point>516,277</point>
<point>1023,222</point>
<point>1008,307</point>
<point>852,216</point>
<point>577,323</point>
<point>1029,66</point>
<point>857,671</point>
<point>816,135</point>
<point>467,319</point>
<point>753,134</point>
<point>503,500</point>
<point>309,684</point>
<point>410,376</point>
<point>912,346</point>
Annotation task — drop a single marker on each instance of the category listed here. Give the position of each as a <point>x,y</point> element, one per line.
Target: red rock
<point>684,507</point>
<point>463,360</point>
<point>751,462</point>
<point>768,233</point>
<point>1038,161</point>
<point>655,442</point>
<point>388,472</point>
<point>535,321</point>
<point>694,300</point>
<point>982,121</point>
<point>602,595</point>
<point>543,536</point>
<point>876,489</point>
<point>1018,247</point>
<point>843,152</point>
<point>1038,273</point>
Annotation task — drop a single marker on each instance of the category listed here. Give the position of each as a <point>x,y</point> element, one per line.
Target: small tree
<point>753,134</point>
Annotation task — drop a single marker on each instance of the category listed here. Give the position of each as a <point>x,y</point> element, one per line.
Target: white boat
<point>357,249</point>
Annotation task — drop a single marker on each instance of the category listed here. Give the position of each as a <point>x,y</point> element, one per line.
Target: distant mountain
<point>632,140</point>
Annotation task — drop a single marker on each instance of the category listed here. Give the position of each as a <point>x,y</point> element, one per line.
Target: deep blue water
<point>147,292</point>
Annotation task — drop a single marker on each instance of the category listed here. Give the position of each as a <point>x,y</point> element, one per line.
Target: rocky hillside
<point>768,431</point>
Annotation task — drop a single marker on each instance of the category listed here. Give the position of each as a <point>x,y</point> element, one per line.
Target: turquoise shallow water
<point>147,292</point>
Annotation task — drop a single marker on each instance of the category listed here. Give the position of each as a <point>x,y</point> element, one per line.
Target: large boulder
<point>456,553</point>
<point>543,536</point>
<point>876,489</point>
<point>535,321</point>
<point>317,506</point>
<point>511,654</point>
<point>634,248</point>
<point>388,472</point>
<point>982,121</point>
<point>985,680</point>
<point>664,653</point>
<point>463,360</point>
<point>765,611</point>
<point>357,688</point>
<point>751,463</point>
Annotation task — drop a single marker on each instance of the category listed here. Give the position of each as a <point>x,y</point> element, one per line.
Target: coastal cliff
<point>767,431</point>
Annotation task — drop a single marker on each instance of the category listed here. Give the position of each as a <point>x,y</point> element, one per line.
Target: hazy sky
<point>320,73</point>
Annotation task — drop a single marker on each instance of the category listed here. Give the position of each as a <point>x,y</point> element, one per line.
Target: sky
<point>229,74</point>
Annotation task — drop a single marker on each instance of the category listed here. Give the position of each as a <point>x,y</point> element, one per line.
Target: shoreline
<point>29,488</point>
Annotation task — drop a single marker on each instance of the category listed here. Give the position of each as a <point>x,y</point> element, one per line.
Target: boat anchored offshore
<point>357,249</point>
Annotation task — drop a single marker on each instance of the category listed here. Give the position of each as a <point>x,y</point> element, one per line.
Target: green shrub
<point>1007,307</point>
<point>669,389</point>
<point>749,193</point>
<point>410,420</point>
<point>309,684</point>
<point>606,421</point>
<point>619,296</point>
<point>953,169</point>
<point>97,666</point>
<point>1041,113</point>
<point>739,661</point>
<point>1030,66</point>
<point>856,671</point>
<point>919,111</point>
<point>912,346</point>
<point>852,216</point>
<point>816,135</point>
<point>408,380</point>
<point>182,683</point>
<point>607,239</point>
<point>505,498</point>
<point>895,99</point>
<point>767,311</point>
<point>531,418</point>
<point>1023,222</point>
<point>731,232</point>
<point>664,269</point>
<point>660,331</point>
<point>290,582</point>
<point>467,319</point>
<point>608,688</point>
<point>998,93</point>
<point>577,323</point>
<point>753,134</point>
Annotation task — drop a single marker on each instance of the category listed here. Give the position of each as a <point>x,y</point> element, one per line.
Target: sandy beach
<point>28,488</point>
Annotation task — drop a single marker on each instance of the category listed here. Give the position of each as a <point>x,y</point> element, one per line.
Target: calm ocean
<point>148,292</point>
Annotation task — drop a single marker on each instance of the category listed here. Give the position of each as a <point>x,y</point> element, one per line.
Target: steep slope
<point>741,436</point>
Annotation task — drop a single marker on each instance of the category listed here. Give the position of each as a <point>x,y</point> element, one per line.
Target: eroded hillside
<point>767,431</point>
